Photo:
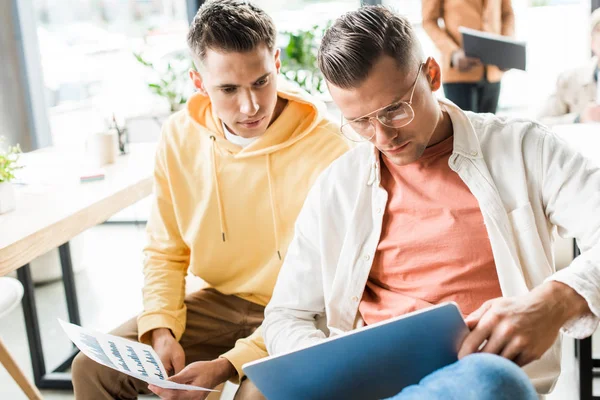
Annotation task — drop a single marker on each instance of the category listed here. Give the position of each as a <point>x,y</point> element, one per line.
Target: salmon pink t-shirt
<point>434,245</point>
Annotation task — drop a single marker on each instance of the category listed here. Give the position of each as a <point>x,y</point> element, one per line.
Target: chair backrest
<point>11,293</point>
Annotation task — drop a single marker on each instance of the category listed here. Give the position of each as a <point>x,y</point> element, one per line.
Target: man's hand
<point>169,350</point>
<point>522,328</point>
<point>591,113</point>
<point>207,374</point>
<point>462,62</point>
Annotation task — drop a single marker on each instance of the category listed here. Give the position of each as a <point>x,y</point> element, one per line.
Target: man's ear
<point>197,81</point>
<point>434,74</point>
<point>278,60</point>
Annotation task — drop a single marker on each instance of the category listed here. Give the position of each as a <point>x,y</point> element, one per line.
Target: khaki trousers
<point>214,323</point>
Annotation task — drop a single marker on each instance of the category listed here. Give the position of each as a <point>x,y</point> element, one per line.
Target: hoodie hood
<point>299,117</point>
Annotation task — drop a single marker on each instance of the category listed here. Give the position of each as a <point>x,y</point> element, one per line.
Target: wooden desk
<point>586,139</point>
<point>52,208</point>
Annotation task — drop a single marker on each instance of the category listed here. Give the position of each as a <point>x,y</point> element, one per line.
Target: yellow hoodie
<point>228,213</point>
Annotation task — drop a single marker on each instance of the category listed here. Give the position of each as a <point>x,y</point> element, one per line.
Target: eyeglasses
<point>395,115</point>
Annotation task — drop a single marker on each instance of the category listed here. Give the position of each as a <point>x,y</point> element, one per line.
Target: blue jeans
<point>477,377</point>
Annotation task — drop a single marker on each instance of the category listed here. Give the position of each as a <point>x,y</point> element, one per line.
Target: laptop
<point>374,362</point>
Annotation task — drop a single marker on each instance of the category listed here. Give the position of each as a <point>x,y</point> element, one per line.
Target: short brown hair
<point>357,39</point>
<point>230,26</point>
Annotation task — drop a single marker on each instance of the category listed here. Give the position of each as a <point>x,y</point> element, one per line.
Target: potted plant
<point>299,59</point>
<point>8,165</point>
<point>171,81</point>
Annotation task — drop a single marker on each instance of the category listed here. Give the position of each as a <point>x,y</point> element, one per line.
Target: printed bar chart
<point>152,361</point>
<point>132,358</point>
<point>117,354</point>
<point>96,349</point>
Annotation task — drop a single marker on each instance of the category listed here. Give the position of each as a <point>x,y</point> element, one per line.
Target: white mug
<point>102,147</point>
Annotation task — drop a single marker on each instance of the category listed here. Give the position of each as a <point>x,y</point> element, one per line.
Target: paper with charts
<point>131,358</point>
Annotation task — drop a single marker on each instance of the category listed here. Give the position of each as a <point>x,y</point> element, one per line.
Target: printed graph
<point>125,356</point>
<point>115,352</point>
<point>133,355</point>
<point>150,360</point>
<point>95,348</point>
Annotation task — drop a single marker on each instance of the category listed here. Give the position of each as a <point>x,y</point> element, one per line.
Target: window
<point>87,58</point>
<point>301,14</point>
<point>409,8</point>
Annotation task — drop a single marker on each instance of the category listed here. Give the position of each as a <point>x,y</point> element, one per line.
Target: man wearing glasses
<point>439,205</point>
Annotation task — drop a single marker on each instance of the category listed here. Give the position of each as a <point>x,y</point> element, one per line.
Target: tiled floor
<point>109,293</point>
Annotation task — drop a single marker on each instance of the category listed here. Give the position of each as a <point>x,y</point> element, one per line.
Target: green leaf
<point>142,61</point>
<point>9,162</point>
<point>301,56</point>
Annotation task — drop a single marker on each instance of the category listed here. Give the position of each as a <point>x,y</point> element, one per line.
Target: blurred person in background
<point>468,83</point>
<point>576,98</point>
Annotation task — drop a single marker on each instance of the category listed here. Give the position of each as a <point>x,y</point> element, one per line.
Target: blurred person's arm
<point>432,12</point>
<point>508,18</point>
<point>555,110</point>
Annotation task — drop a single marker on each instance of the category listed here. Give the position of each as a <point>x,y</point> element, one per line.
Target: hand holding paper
<point>201,373</point>
<point>134,359</point>
<point>169,350</point>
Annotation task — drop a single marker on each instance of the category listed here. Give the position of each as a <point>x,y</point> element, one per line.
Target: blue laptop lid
<point>374,362</point>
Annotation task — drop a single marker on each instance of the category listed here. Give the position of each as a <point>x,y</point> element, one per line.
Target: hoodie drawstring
<point>220,204</point>
<point>273,213</point>
<point>216,179</point>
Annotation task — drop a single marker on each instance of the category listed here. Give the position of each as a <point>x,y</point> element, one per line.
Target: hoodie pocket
<point>534,261</point>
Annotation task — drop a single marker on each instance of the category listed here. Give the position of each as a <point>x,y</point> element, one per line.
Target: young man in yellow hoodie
<point>232,172</point>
